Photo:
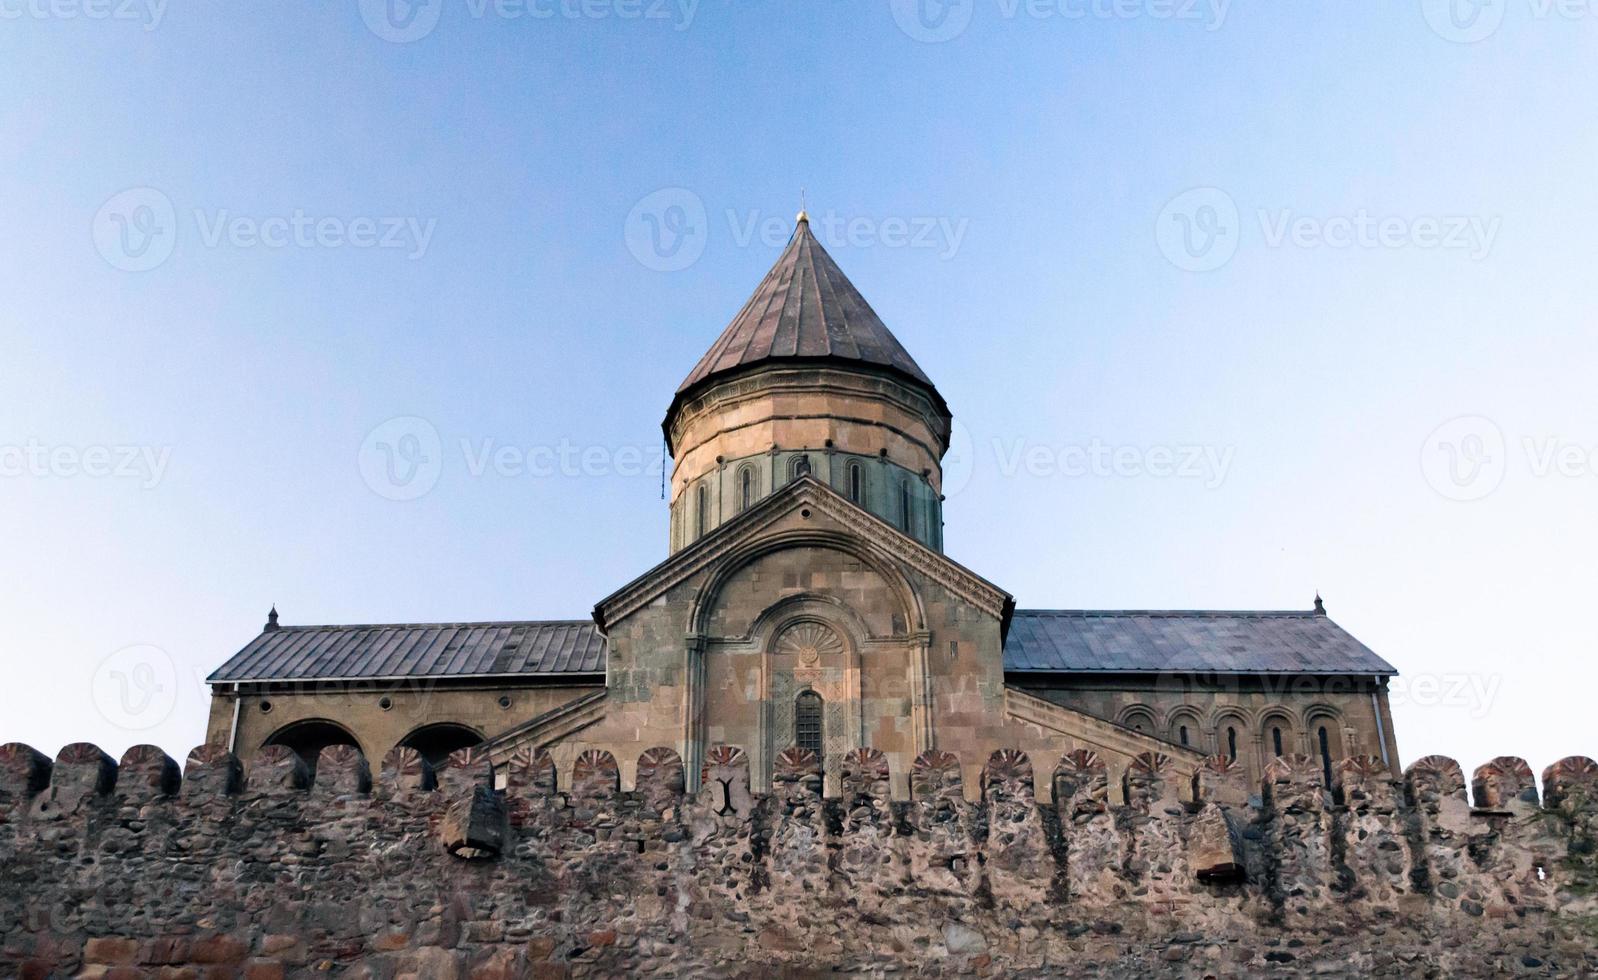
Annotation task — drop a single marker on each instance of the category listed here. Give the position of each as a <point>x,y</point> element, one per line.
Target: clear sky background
<point>183,406</point>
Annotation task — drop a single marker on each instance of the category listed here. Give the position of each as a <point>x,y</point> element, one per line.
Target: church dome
<point>804,311</point>
<point>807,381</point>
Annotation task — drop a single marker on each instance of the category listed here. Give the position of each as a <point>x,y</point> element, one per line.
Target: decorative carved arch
<point>1134,715</point>
<point>801,620</point>
<point>1278,717</point>
<point>1241,719</point>
<point>1187,716</point>
<point>739,558</point>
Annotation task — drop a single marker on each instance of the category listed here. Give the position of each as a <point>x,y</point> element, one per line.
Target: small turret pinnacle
<point>1320,606</point>
<point>271,621</point>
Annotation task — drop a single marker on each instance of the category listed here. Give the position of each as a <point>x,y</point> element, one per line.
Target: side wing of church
<point>806,604</point>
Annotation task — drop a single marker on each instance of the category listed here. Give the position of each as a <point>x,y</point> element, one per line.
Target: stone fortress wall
<point>137,870</point>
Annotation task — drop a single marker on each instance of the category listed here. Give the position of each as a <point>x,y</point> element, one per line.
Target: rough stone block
<point>81,773</point>
<point>595,775</point>
<point>146,773</point>
<point>1081,785</point>
<point>277,770</point>
<point>935,777</point>
<point>24,774</point>
<point>530,773</point>
<point>724,781</point>
<point>1571,784</point>
<point>475,825</point>
<point>1008,777</point>
<point>1150,782</point>
<point>405,772</point>
<point>341,770</point>
<point>1222,780</point>
<point>211,770</point>
<point>464,770</point>
<point>1504,782</point>
<point>661,778</point>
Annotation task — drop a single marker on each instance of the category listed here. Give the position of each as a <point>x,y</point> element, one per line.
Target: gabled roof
<point>804,310</point>
<point>1137,641</point>
<point>452,650</point>
<point>801,495</point>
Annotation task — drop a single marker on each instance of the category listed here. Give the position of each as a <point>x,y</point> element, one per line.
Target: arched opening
<point>436,742</point>
<point>309,738</point>
<point>905,513</point>
<point>1276,740</point>
<point>1326,755</point>
<point>746,488</point>
<point>807,722</point>
<point>856,484</point>
<point>1181,734</point>
<point>800,467</point>
<point>1139,719</point>
<point>1231,742</point>
<point>702,511</point>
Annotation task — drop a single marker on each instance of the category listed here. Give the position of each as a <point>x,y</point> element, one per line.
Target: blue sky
<point>241,238</point>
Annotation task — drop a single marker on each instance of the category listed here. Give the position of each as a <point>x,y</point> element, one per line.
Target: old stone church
<point>806,600</point>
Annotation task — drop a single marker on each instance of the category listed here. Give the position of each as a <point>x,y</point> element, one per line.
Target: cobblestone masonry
<point>136,870</point>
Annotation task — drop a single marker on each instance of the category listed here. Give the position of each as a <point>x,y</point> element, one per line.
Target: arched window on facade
<point>746,488</point>
<point>1231,742</point>
<point>1181,734</point>
<point>799,467</point>
<point>1326,754</point>
<point>856,484</point>
<point>905,513</point>
<point>1139,719</point>
<point>436,742</point>
<point>309,738</point>
<point>807,733</point>
<point>701,511</point>
<point>1276,739</point>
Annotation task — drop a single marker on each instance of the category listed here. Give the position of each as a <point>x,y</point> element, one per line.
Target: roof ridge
<point>1177,613</point>
<point>306,627</point>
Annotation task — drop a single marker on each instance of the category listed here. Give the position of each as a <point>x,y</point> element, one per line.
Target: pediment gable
<point>805,509</point>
